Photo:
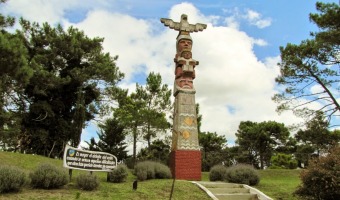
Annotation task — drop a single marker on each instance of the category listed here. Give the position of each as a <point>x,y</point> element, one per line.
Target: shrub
<point>283,161</point>
<point>243,174</point>
<point>217,173</point>
<point>47,176</point>
<point>118,174</point>
<point>162,171</point>
<point>87,182</point>
<point>11,179</point>
<point>150,170</point>
<point>321,179</point>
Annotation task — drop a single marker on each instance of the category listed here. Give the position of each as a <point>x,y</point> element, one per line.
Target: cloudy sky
<point>238,52</point>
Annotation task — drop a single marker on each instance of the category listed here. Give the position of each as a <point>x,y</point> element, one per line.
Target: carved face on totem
<point>186,54</point>
<point>184,44</point>
<point>185,82</point>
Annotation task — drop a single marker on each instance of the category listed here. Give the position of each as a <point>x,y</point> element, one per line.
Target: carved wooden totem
<point>185,151</point>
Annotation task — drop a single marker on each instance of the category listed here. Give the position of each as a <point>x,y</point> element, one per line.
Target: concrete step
<point>220,185</point>
<point>236,196</point>
<point>228,190</point>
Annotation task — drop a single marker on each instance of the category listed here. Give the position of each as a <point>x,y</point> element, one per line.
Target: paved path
<point>230,191</point>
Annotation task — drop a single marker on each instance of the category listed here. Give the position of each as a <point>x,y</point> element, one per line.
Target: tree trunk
<point>49,155</point>
<point>261,161</point>
<point>148,137</point>
<point>134,145</point>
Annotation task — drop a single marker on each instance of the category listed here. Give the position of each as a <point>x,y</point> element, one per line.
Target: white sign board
<point>88,160</point>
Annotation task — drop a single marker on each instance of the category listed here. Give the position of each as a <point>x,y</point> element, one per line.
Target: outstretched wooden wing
<point>197,27</point>
<point>170,23</point>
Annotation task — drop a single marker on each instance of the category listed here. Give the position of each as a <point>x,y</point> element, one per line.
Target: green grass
<point>279,183</point>
<point>150,189</point>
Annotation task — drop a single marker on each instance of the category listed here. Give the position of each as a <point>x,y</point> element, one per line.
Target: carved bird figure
<point>183,25</point>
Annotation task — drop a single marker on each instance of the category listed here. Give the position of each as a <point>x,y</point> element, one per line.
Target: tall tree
<point>211,142</point>
<point>111,139</point>
<point>214,149</point>
<point>199,118</point>
<point>143,112</point>
<point>310,70</point>
<point>130,113</point>
<point>158,104</point>
<point>71,75</point>
<point>158,151</point>
<point>317,135</point>
<point>14,75</point>
<point>260,139</point>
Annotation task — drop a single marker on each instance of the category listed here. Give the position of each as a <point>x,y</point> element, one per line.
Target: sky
<point>237,53</point>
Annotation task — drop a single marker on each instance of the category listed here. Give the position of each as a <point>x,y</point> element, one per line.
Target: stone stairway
<point>230,191</point>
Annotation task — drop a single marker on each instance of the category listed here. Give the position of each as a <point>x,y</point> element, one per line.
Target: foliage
<point>199,118</point>
<point>289,147</point>
<point>159,150</point>
<point>12,179</point>
<point>47,176</point>
<point>303,154</point>
<point>213,149</point>
<point>143,112</point>
<point>111,139</point>
<point>87,182</point>
<point>315,138</point>
<point>217,173</point>
<point>211,141</point>
<point>14,75</point>
<point>310,70</point>
<point>162,171</point>
<point>243,174</point>
<point>129,113</point>
<point>118,174</point>
<point>321,179</point>
<point>51,84</point>
<point>260,139</point>
<point>317,134</point>
<point>284,161</point>
<point>213,158</point>
<point>158,104</point>
<point>151,170</point>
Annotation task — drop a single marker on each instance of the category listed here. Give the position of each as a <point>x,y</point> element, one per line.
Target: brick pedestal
<point>186,164</point>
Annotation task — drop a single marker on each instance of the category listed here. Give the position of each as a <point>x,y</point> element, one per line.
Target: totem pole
<point>185,152</point>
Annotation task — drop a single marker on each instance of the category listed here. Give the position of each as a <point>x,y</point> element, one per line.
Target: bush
<point>87,182</point>
<point>11,179</point>
<point>243,174</point>
<point>162,171</point>
<point>118,174</point>
<point>217,173</point>
<point>150,170</point>
<point>321,179</point>
<point>47,176</point>
<point>283,161</point>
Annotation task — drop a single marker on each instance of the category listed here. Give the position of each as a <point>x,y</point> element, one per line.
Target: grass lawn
<point>148,190</point>
<point>276,183</point>
<point>279,184</point>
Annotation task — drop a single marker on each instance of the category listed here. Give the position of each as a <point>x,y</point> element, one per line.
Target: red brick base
<point>186,164</point>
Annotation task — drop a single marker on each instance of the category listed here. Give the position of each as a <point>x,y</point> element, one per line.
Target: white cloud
<point>232,22</point>
<point>39,10</point>
<point>251,16</point>
<point>232,84</point>
<point>260,42</point>
<point>256,19</point>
